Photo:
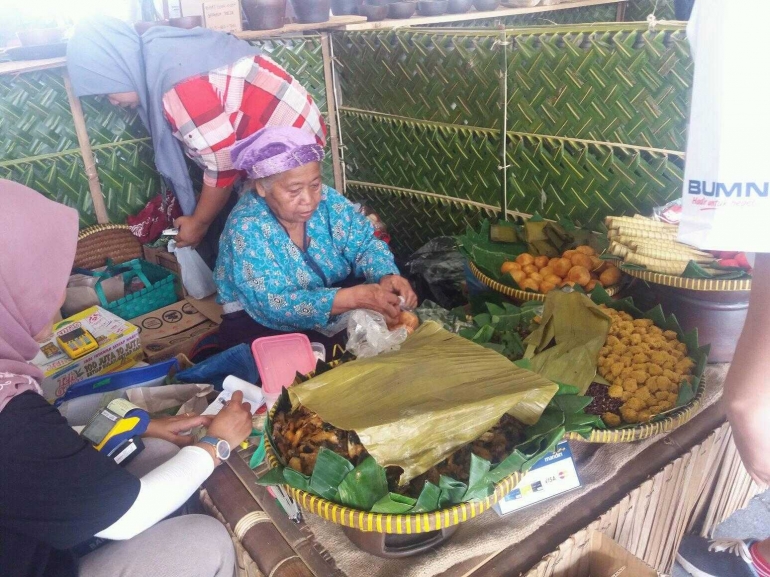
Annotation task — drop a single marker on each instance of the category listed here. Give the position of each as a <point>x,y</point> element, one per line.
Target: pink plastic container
<point>280,358</point>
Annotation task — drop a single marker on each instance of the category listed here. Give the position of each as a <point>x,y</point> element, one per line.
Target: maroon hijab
<point>38,238</point>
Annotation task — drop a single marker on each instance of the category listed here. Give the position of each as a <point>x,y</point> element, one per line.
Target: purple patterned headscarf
<point>272,151</point>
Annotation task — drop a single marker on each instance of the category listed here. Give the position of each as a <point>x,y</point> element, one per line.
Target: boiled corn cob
<point>642,223</point>
<point>673,267</point>
<point>635,242</point>
<point>627,230</point>
<point>673,254</point>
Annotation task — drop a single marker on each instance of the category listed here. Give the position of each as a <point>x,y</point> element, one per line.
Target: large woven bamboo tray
<point>389,523</point>
<point>693,284</point>
<point>518,294</point>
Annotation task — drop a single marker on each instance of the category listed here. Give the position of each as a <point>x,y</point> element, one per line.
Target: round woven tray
<point>518,294</point>
<point>674,420</point>
<point>98,243</point>
<point>387,523</point>
<point>693,284</point>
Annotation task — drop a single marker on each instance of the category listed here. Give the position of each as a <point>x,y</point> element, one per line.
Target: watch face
<point>223,450</point>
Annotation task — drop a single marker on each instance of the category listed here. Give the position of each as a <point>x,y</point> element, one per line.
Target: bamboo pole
<point>331,108</point>
<point>88,156</point>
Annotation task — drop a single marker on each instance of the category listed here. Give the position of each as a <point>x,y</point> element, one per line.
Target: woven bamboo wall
<point>38,146</point>
<point>595,122</point>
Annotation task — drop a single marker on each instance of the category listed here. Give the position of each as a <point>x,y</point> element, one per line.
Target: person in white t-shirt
<point>729,145</point>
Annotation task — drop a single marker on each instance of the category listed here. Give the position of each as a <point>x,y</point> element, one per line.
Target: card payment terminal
<point>116,430</point>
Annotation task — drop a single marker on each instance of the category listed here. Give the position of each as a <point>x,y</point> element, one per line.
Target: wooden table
<point>473,15</point>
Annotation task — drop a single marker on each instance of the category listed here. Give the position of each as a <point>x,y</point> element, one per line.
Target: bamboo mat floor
<point>752,522</point>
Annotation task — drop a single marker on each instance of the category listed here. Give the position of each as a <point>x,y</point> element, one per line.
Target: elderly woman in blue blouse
<point>295,254</point>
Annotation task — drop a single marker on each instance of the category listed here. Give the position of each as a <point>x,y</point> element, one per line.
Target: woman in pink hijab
<point>57,491</point>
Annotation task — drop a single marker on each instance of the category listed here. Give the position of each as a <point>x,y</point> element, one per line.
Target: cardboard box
<point>167,260</point>
<point>222,15</point>
<point>119,349</point>
<point>608,559</point>
<point>191,7</point>
<point>175,329</point>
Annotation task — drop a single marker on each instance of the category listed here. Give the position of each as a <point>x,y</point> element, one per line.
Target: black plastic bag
<point>437,271</point>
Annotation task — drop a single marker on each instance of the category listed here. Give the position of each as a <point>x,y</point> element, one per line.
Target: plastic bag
<point>197,278</point>
<point>369,336</point>
<point>437,271</point>
<point>725,203</point>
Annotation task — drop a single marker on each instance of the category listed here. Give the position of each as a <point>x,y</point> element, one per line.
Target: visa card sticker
<point>552,475</point>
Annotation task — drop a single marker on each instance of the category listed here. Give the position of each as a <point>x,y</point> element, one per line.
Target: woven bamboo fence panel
<point>620,86</point>
<point>35,117</point>
<point>443,216</point>
<point>39,148</point>
<point>433,76</point>
<point>638,10</point>
<point>451,161</point>
<point>585,181</point>
<point>651,520</point>
<point>577,15</point>
<point>596,116</point>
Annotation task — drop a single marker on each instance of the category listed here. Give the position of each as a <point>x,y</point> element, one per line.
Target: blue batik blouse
<point>261,270</point>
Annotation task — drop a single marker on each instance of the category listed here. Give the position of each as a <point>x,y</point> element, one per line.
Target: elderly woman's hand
<point>398,285</point>
<point>368,296</point>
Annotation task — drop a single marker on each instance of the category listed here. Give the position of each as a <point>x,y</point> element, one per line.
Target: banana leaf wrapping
<point>414,407</point>
<point>579,329</point>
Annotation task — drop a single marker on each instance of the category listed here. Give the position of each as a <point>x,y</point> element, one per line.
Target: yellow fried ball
<point>611,419</point>
<point>633,403</point>
<point>629,415</point>
<point>644,416</point>
<point>654,369</point>
<point>615,392</point>
<point>630,385</point>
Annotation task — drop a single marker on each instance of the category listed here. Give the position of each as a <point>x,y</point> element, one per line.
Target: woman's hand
<point>398,285</point>
<point>169,428</point>
<point>233,423</point>
<point>191,231</point>
<point>367,296</point>
<point>376,298</point>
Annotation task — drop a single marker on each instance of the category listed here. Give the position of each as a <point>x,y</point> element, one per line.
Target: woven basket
<point>387,523</point>
<point>98,243</point>
<point>159,294</point>
<point>517,294</point>
<point>693,284</point>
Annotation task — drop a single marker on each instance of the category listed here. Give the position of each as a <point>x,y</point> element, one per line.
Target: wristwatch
<point>221,447</point>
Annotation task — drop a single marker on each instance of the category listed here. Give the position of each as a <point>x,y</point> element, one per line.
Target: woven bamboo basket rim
<point>693,284</point>
<point>98,243</point>
<point>674,420</point>
<point>88,231</point>
<point>517,293</point>
<point>397,524</point>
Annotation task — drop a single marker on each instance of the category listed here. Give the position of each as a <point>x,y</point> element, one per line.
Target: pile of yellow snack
<point>580,266</point>
<point>644,365</point>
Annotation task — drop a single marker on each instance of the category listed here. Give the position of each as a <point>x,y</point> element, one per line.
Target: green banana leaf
<point>579,330</point>
<point>407,417</point>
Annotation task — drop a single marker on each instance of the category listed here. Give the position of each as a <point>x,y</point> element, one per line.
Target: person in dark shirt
<point>56,491</point>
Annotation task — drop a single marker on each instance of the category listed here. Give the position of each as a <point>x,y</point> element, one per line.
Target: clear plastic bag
<point>369,336</point>
<point>197,278</point>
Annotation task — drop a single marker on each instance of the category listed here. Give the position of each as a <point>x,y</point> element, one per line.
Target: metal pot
<point>345,7</point>
<point>264,14</point>
<point>311,11</point>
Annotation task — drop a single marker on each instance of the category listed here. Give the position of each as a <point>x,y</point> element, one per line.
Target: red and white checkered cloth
<point>211,112</point>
